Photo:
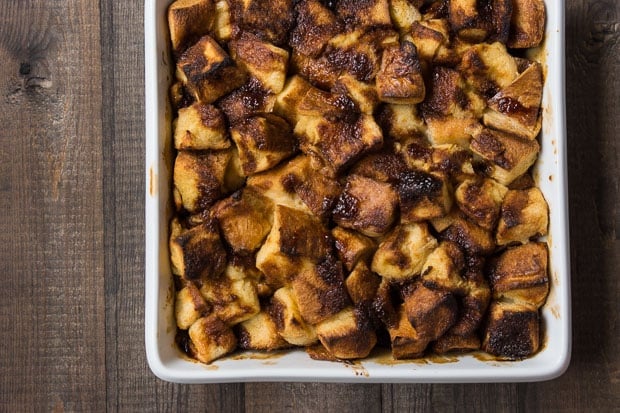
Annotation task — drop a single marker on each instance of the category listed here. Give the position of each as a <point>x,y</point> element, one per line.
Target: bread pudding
<point>356,174</point>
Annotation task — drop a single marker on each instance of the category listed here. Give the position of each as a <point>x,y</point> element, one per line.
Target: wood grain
<point>71,192</point>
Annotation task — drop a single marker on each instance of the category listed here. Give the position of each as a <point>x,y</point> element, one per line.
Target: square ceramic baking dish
<point>167,362</point>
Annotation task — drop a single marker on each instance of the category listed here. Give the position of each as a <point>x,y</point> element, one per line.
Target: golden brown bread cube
<point>385,165</point>
<point>249,100</point>
<point>527,24</point>
<point>289,98</point>
<point>201,178</point>
<point>520,275</point>
<point>263,141</point>
<point>332,106</point>
<point>454,343</point>
<point>365,14</point>
<point>430,312</point>
<point>443,267</point>
<point>289,322</point>
<point>488,68</point>
<point>261,59</point>
<point>189,20</point>
<point>405,341</point>
<point>347,335</point>
<point>509,156</point>
<point>196,253</point>
<point>319,71</point>
<point>319,290</point>
<point>475,21</point>
<point>315,25</point>
<point>232,298</point>
<point>260,333</point>
<point>423,196</point>
<point>352,247</point>
<point>451,160</point>
<point>401,121</point>
<point>318,190</point>
<point>450,110</point>
<point>363,94</point>
<point>463,17</point>
<point>428,36</point>
<point>189,306</point>
<point>200,127</point>
<point>399,79</point>
<point>211,339</point>
<point>481,200</point>
<point>404,14</point>
<point>403,251</point>
<point>366,205</point>
<point>512,331</point>
<point>295,236</point>
<point>208,72</point>
<point>471,238</point>
<point>524,215</point>
<point>338,142</point>
<point>223,28</point>
<point>245,219</point>
<point>515,109</point>
<point>362,284</point>
<point>270,21</point>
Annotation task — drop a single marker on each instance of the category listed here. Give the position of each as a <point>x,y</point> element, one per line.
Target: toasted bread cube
<point>201,178</point>
<point>443,267</point>
<point>352,247</point>
<point>463,15</point>
<point>453,161</point>
<point>189,306</point>
<point>245,219</point>
<point>358,52</point>
<point>474,21</point>
<point>363,94</point>
<point>404,14</point>
<point>520,274</point>
<point>481,200</point>
<point>385,165</point>
<point>251,99</point>
<point>200,126</point>
<point>232,299</point>
<point>332,106</point>
<point>405,340</point>
<point>524,215</point>
<point>294,237</point>
<point>450,110</point>
<point>279,183</point>
<point>473,307</point>
<point>362,284</point>
<point>428,36</point>
<point>319,71</point>
<point>366,205</point>
<point>196,253</point>
<point>512,331</point>
<point>527,24</point>
<point>263,141</point>
<point>316,24</point>
<point>508,155</point>
<point>208,72</point>
<point>188,21</point>
<point>403,252</point>
<point>261,59</point>
<point>319,290</point>
<point>270,21</point>
<point>223,28</point>
<point>260,333</point>
<point>488,68</point>
<point>453,343</point>
<point>339,143</point>
<point>515,109</point>
<point>423,196</point>
<point>291,326</point>
<point>471,238</point>
<point>399,80</point>
<point>430,312</point>
<point>289,98</point>
<point>211,339</point>
<point>371,13</point>
<point>401,121</point>
<point>346,335</point>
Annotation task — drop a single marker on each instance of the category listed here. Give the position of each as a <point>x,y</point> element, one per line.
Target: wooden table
<point>72,239</point>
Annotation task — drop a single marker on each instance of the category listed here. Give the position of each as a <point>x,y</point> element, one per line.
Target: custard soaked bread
<point>357,174</point>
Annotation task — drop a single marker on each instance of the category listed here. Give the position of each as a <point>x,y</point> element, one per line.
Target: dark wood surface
<point>72,230</point>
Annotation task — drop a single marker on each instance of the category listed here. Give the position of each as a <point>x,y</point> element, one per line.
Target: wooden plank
<point>52,309</point>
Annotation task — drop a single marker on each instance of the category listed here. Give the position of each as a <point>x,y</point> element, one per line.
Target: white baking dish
<point>168,363</point>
